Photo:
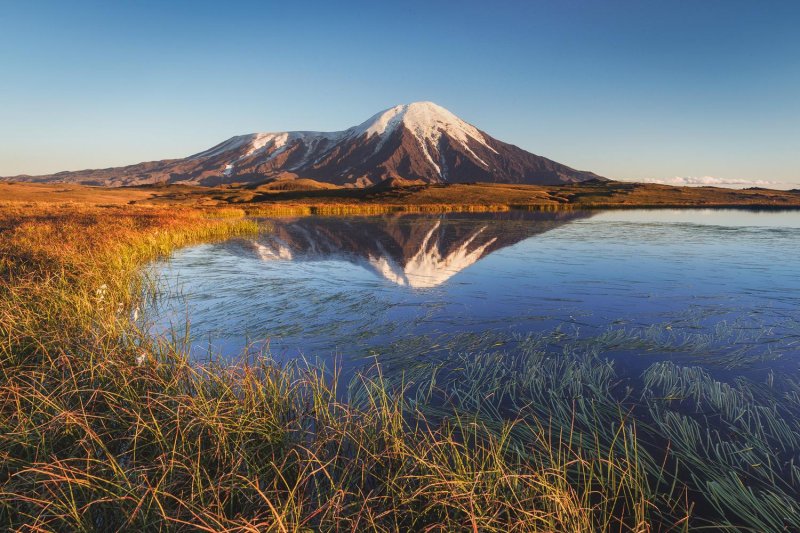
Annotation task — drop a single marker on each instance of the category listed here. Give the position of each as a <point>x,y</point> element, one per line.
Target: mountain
<point>409,250</point>
<point>418,141</point>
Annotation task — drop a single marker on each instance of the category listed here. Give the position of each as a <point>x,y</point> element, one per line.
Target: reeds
<point>739,443</point>
<point>332,208</point>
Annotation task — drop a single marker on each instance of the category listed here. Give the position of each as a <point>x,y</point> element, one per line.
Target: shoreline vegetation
<point>103,428</point>
<point>299,197</point>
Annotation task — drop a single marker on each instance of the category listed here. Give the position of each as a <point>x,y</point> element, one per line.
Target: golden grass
<point>476,197</point>
<point>66,267</point>
<point>65,193</point>
<point>281,209</point>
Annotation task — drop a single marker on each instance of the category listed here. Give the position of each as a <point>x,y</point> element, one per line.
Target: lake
<point>720,288</point>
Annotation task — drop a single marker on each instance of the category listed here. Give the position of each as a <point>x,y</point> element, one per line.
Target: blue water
<point>720,287</point>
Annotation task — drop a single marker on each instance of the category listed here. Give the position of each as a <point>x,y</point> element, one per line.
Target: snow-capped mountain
<point>418,141</point>
<point>409,250</point>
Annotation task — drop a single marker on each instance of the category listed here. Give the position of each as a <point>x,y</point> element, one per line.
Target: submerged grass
<point>105,429</point>
<point>729,452</point>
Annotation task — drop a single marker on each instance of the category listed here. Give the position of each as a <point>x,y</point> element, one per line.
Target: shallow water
<point>716,287</point>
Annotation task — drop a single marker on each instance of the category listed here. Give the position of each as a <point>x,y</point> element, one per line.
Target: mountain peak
<point>415,112</point>
<point>419,117</point>
<point>428,122</point>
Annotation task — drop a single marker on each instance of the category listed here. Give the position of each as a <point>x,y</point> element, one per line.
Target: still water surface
<point>717,287</point>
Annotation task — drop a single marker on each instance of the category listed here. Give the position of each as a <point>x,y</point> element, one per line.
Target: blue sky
<point>632,90</point>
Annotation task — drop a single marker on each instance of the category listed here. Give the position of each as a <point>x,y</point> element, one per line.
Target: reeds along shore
<point>105,429</point>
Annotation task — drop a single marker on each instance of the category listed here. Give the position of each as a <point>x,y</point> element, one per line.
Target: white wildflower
<point>101,292</point>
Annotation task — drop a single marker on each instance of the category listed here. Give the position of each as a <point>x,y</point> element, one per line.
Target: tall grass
<point>727,452</point>
<point>103,429</point>
<point>70,271</point>
<point>332,208</point>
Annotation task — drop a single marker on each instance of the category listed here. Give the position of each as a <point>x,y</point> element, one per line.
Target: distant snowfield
<point>706,181</point>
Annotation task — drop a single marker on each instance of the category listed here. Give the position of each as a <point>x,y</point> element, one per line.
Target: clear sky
<point>659,90</point>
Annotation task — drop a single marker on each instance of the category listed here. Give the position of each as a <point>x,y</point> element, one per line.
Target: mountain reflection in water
<point>416,251</point>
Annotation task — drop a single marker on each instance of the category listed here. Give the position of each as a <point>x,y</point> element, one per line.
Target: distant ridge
<point>418,142</point>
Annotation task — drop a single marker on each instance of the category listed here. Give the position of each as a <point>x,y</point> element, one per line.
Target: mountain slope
<point>418,141</point>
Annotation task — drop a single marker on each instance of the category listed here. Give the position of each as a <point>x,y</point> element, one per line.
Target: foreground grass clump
<point>115,446</point>
<point>103,429</point>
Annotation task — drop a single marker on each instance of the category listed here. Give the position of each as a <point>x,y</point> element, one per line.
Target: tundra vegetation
<point>104,428</point>
<point>300,197</point>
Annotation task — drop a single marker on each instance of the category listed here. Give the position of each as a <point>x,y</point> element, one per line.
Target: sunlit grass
<point>332,208</point>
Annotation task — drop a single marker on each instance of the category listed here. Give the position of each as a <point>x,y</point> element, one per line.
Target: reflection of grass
<point>103,429</point>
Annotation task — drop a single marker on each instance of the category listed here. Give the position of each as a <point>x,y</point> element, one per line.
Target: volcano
<point>421,142</point>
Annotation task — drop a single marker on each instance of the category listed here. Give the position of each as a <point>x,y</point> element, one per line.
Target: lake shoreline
<point>265,200</point>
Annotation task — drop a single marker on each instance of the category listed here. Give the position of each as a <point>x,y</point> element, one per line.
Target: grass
<point>269,199</point>
<point>105,429</point>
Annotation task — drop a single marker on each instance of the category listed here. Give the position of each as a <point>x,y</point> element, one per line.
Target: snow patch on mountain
<point>275,140</point>
<point>271,144</point>
<point>234,143</point>
<point>428,122</point>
